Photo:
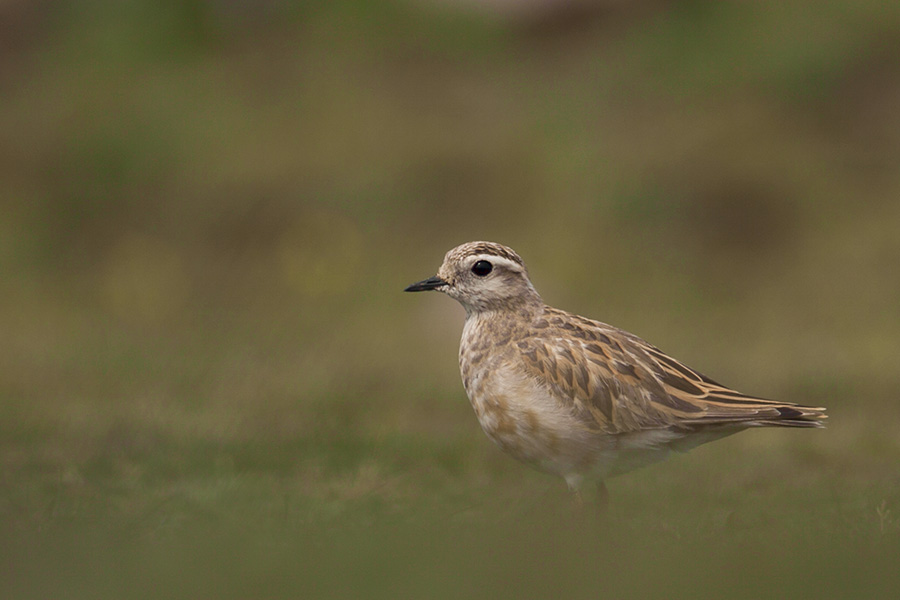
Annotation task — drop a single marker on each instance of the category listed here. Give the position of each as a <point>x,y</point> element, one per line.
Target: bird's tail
<point>746,411</point>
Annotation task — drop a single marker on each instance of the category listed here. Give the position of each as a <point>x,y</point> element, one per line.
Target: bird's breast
<point>521,416</point>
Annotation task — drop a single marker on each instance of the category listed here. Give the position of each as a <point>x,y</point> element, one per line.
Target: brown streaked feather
<point>638,386</point>
<point>487,248</point>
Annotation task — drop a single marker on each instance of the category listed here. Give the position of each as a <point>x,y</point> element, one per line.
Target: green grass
<point>140,515</point>
<point>212,386</point>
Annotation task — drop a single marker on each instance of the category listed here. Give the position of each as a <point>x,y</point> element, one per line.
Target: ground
<point>212,384</point>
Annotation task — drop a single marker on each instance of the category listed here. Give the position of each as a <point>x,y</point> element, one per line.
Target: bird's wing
<point>616,382</point>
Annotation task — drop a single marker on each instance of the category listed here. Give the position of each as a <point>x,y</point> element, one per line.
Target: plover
<point>577,397</point>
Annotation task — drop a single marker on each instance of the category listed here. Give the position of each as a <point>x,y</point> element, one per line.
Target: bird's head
<point>482,276</point>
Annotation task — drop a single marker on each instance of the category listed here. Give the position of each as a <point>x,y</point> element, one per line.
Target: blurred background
<point>212,385</point>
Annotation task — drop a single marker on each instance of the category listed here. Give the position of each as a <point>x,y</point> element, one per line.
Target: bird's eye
<point>482,268</point>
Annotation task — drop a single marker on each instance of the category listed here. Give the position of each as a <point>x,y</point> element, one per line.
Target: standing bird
<point>577,397</point>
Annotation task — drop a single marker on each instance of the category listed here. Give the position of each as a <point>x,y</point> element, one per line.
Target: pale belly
<point>521,417</point>
<point>525,420</point>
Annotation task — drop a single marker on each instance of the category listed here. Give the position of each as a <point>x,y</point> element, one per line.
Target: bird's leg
<point>602,497</point>
<point>579,499</point>
<point>573,482</point>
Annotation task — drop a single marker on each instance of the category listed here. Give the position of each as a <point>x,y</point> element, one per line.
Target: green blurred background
<point>211,385</point>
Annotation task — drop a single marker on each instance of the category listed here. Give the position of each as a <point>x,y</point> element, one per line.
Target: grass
<point>211,385</point>
<point>345,515</point>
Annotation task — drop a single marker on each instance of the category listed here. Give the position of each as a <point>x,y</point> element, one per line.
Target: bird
<point>576,397</point>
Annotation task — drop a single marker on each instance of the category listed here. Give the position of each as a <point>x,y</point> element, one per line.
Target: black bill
<point>432,283</point>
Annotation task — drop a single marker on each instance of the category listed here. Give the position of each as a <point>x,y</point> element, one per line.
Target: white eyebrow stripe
<point>499,260</point>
